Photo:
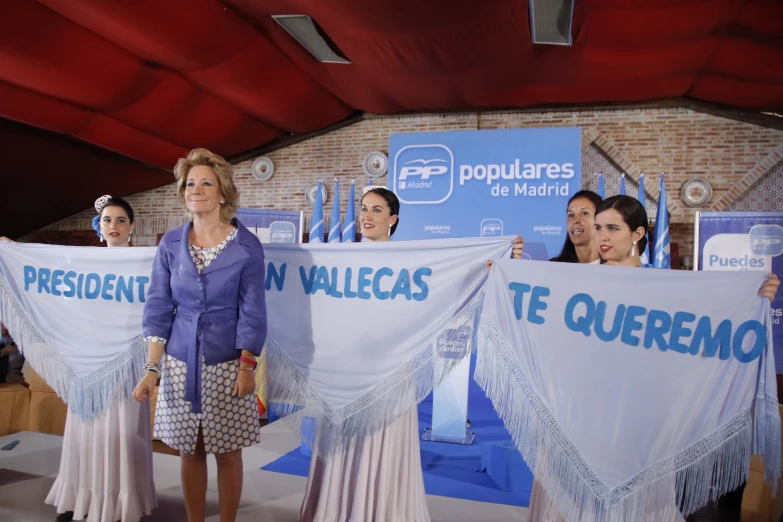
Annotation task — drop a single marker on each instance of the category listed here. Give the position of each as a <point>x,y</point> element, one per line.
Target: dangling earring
<point>389,232</point>
<point>633,249</point>
<point>129,237</point>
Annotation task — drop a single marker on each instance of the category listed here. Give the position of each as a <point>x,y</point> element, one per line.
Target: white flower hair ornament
<point>101,202</point>
<point>368,188</point>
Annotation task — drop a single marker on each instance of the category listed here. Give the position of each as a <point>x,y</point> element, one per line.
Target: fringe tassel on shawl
<point>766,415</point>
<point>685,482</point>
<point>87,397</point>
<point>290,395</point>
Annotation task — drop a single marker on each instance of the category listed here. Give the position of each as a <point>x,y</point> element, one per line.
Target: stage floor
<point>28,471</point>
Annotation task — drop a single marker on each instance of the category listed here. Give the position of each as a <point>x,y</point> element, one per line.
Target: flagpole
<point>317,221</point>
<point>335,227</point>
<point>349,232</point>
<point>662,252</point>
<point>644,256</point>
<point>601,192</point>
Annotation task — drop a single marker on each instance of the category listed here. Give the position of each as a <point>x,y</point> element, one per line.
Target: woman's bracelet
<point>248,360</point>
<point>152,367</point>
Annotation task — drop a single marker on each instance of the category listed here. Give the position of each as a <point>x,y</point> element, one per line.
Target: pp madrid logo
<point>424,174</point>
<point>766,240</point>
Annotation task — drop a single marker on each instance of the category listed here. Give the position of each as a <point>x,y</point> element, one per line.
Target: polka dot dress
<point>227,423</point>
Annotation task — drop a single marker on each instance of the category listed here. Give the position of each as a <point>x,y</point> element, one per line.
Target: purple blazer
<point>216,313</point>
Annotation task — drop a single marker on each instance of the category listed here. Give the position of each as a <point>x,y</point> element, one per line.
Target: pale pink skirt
<point>106,466</point>
<point>376,479</point>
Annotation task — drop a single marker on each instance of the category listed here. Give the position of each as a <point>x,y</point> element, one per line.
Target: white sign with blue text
<point>486,183</point>
<point>632,394</point>
<point>358,333</point>
<point>745,241</point>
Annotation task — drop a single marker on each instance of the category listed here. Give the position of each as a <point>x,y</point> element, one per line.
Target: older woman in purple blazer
<point>206,306</point>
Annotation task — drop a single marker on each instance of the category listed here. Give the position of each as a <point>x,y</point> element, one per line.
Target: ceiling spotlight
<point>550,21</point>
<point>312,37</point>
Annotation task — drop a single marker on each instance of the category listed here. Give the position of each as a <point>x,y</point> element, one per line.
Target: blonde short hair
<point>224,173</point>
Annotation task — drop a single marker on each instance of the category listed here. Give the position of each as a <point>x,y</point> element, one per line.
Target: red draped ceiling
<point>151,79</point>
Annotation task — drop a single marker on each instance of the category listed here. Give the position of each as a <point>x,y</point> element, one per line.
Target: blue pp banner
<point>746,241</point>
<point>487,183</point>
<point>272,226</point>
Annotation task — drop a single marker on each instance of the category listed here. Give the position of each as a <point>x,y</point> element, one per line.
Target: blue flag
<point>622,184</point>
<point>644,256</point>
<point>317,223</point>
<point>334,221</point>
<point>662,257</point>
<point>601,192</point>
<point>349,232</point>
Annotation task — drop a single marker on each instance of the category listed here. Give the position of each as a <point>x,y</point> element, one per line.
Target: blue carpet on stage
<point>450,470</point>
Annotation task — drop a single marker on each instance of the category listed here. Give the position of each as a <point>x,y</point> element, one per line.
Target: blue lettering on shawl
<point>702,335</point>
<point>94,292</point>
<point>403,285</point>
<point>658,324</point>
<point>141,281</point>
<point>307,282</point>
<point>108,286</point>
<point>537,305</point>
<point>347,292</point>
<point>631,325</point>
<point>617,322</point>
<point>580,324</point>
<point>376,283</point>
<point>71,284</point>
<point>364,282</point>
<point>321,281</point>
<point>519,289</point>
<point>679,330</point>
<point>57,280</point>
<point>68,280</point>
<point>273,274</point>
<point>124,287</point>
<point>418,280</point>
<point>44,275</point>
<point>333,291</point>
<point>30,274</point>
<point>758,346</point>
<point>659,327</point>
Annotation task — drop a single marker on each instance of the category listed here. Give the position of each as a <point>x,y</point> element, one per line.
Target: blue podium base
<point>503,463</point>
<point>466,440</point>
<point>307,436</point>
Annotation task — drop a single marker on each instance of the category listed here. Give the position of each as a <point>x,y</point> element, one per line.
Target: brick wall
<point>733,156</point>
